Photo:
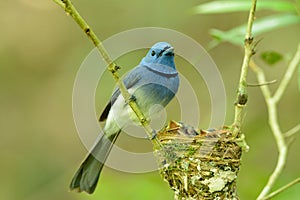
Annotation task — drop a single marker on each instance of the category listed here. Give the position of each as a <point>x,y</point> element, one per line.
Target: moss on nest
<point>199,164</point>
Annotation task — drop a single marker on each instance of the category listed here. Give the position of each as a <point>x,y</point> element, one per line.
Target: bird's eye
<point>152,53</point>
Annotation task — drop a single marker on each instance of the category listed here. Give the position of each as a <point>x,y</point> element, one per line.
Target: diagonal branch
<point>288,75</point>
<point>292,131</point>
<point>282,189</point>
<point>112,67</point>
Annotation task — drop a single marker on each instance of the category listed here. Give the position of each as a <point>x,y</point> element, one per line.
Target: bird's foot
<point>154,134</point>
<point>132,98</point>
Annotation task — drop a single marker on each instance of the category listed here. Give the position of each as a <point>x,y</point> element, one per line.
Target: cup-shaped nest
<point>199,164</point>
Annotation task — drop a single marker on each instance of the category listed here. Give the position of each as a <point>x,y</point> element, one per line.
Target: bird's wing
<point>130,79</point>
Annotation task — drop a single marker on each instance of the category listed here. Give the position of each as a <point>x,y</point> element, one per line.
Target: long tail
<point>86,177</point>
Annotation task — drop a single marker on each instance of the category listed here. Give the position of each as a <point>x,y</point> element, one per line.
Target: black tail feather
<point>86,177</point>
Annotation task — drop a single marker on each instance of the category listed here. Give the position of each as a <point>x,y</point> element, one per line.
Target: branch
<point>71,10</point>
<point>273,122</point>
<point>292,131</point>
<point>112,67</point>
<point>60,3</point>
<point>266,83</point>
<point>261,79</point>
<point>271,102</point>
<point>242,95</point>
<point>288,75</point>
<point>282,189</point>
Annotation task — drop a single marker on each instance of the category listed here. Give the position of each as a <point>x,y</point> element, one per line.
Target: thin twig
<point>271,102</point>
<point>112,67</point>
<point>292,131</point>
<point>261,79</point>
<point>282,189</point>
<point>60,3</point>
<point>251,20</point>
<point>242,95</point>
<point>288,75</point>
<point>261,84</point>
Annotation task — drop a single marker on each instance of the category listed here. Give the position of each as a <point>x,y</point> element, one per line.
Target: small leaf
<point>263,25</point>
<point>237,6</point>
<point>271,57</point>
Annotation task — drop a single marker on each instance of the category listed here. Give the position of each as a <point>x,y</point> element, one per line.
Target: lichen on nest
<point>199,164</point>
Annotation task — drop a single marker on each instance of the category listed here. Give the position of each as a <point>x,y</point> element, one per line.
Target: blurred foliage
<point>269,23</point>
<point>271,57</point>
<point>41,50</point>
<point>263,25</point>
<point>225,6</point>
<point>299,77</point>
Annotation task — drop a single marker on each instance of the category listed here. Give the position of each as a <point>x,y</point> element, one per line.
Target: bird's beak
<point>171,49</point>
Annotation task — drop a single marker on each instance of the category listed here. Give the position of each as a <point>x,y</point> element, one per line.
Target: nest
<point>199,164</point>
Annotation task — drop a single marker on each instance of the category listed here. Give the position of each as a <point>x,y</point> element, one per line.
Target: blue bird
<point>154,81</point>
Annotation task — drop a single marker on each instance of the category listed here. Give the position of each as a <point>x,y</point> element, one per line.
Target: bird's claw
<point>132,98</point>
<point>154,134</point>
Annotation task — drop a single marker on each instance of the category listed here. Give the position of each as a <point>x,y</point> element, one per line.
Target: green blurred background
<point>41,50</point>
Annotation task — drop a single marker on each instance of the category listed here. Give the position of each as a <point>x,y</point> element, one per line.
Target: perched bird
<point>154,81</point>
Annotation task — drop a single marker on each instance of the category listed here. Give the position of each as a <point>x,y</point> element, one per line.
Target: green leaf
<point>237,6</point>
<point>271,57</point>
<point>263,25</point>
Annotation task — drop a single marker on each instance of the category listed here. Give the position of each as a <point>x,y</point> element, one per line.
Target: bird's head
<point>160,53</point>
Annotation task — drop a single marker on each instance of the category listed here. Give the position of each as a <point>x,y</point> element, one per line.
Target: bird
<point>153,81</point>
